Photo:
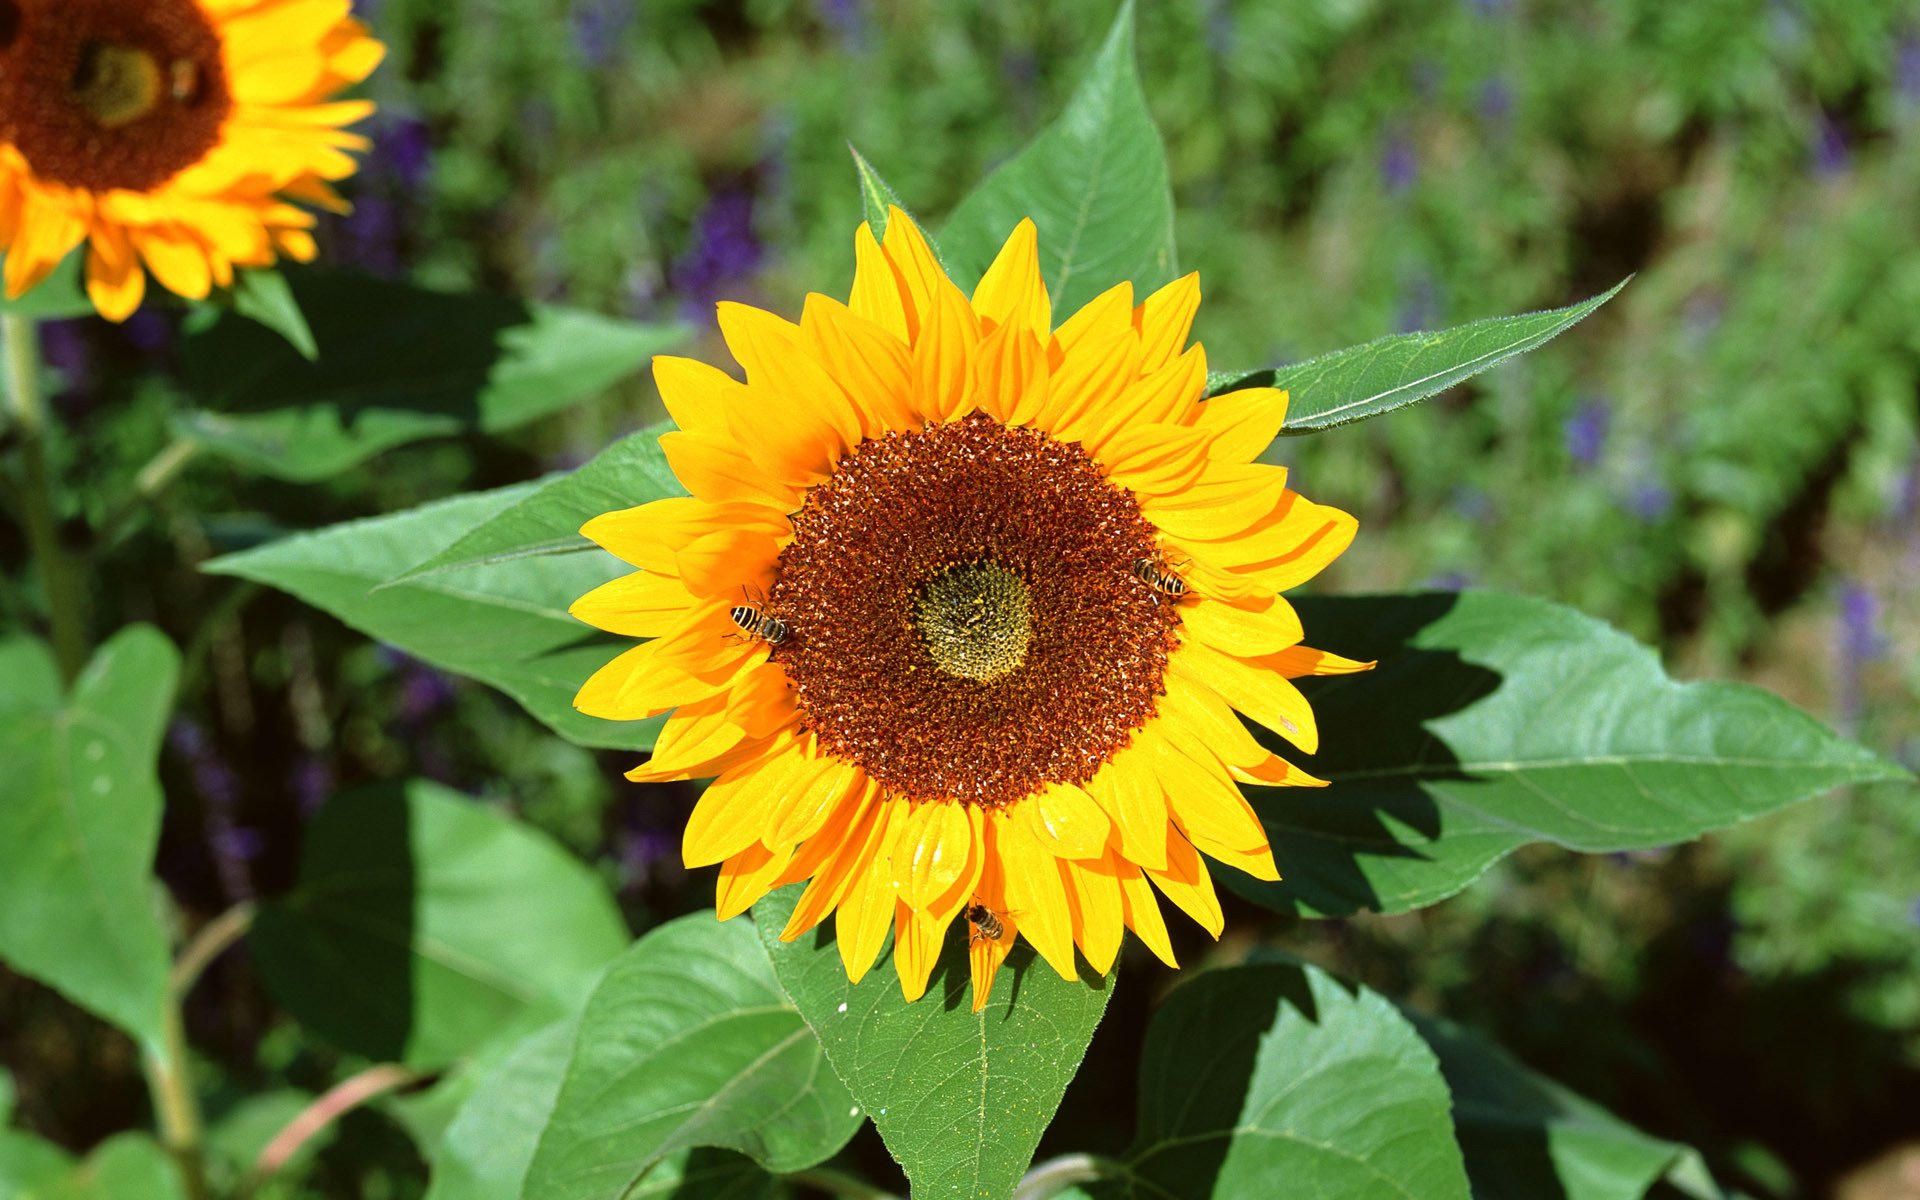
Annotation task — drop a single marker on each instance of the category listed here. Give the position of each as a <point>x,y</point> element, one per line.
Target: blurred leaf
<point>1494,721</point>
<point>875,194</point>
<point>128,1166</point>
<point>236,1138</point>
<point>1277,1071</point>
<point>425,923</point>
<point>630,472</point>
<point>688,1041</point>
<point>28,1163</point>
<point>1525,1136</point>
<point>266,296</point>
<point>504,624</point>
<point>60,295</point>
<point>80,823</point>
<point>960,1097</point>
<point>397,364</point>
<point>1392,372</point>
<point>1094,182</point>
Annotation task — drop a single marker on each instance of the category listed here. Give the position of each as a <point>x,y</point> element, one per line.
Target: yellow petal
<point>814,422</point>
<point>701,398</point>
<point>932,853</point>
<point>870,364</point>
<point>1242,627</point>
<point>1245,422</point>
<point>1256,689</point>
<point>1093,888</point>
<point>1012,291</point>
<point>1296,661</point>
<point>642,604</point>
<point>734,809</point>
<point>746,877</point>
<point>1132,798</point>
<point>846,863</point>
<point>878,293</point>
<point>1142,912</point>
<point>985,954</point>
<point>1187,884</point>
<point>1065,821</point>
<point>1226,499</point>
<point>115,282</point>
<point>1166,317</point>
<point>811,797</point>
<point>1036,895</point>
<point>917,268</point>
<point>1010,375</point>
<point>861,921</point>
<point>916,947</point>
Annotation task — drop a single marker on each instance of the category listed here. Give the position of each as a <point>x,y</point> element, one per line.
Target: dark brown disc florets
<point>966,622</point>
<point>105,94</point>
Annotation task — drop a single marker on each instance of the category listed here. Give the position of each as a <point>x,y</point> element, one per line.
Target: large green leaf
<point>1094,182</point>
<point>1392,372</point>
<point>960,1097</point>
<point>1525,1136</point>
<point>1276,1071</point>
<point>129,1166</point>
<point>28,1163</point>
<point>425,924</point>
<point>688,1042</point>
<point>80,823</point>
<point>505,623</point>
<point>1493,721</point>
<point>547,521</point>
<point>486,1149</point>
<point>396,364</point>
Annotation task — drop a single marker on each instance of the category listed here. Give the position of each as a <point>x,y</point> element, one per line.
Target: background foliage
<point>1724,461</point>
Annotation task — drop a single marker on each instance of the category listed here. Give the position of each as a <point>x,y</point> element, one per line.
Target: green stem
<point>1056,1175</point>
<point>175,1106</point>
<point>149,483</point>
<point>838,1183</point>
<point>57,574</point>
<point>210,943</point>
<point>315,1118</point>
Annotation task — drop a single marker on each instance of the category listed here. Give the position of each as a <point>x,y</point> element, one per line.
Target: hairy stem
<point>175,1106</point>
<point>210,943</point>
<point>838,1183</point>
<point>336,1102</point>
<point>1056,1175</point>
<point>58,575</point>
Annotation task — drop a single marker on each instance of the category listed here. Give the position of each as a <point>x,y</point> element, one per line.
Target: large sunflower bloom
<point>960,611</point>
<point>172,133</point>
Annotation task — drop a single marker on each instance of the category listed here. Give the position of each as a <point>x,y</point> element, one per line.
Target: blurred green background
<point>1725,461</point>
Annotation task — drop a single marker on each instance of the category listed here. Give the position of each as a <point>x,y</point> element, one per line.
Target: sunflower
<point>961,609</point>
<point>172,133</point>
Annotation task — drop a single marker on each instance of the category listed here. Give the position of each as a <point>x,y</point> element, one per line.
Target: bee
<point>985,923</point>
<point>755,622</point>
<point>1156,574</point>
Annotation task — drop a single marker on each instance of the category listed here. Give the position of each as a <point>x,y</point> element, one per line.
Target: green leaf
<point>425,924</point>
<point>505,624</point>
<point>80,823</point>
<point>266,296</point>
<point>632,471</point>
<point>486,1149</point>
<point>1525,1136</point>
<point>1094,182</point>
<point>1392,372</point>
<point>397,364</point>
<point>1278,1071</point>
<point>60,295</point>
<point>1493,721</point>
<point>875,194</point>
<point>961,1098</point>
<point>129,1166</point>
<point>688,1042</point>
<point>28,1163</point>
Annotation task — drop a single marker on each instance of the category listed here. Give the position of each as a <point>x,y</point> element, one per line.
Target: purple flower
<point>725,250</point>
<point>1399,164</point>
<point>1220,27</point>
<point>1860,638</point>
<point>1450,581</point>
<point>1586,432</point>
<point>1831,154</point>
<point>1472,503</point>
<point>1650,500</point>
<point>1496,101</point>
<point>599,27</point>
<point>233,848</point>
<point>149,330</point>
<point>311,782</point>
<point>1419,304</point>
<point>1906,66</point>
<point>847,19</point>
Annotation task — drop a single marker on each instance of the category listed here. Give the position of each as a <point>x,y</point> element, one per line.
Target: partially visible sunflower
<point>172,133</point>
<point>960,612</point>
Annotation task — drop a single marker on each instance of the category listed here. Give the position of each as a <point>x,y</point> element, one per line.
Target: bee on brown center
<point>1156,574</point>
<point>754,622</point>
<point>986,926</point>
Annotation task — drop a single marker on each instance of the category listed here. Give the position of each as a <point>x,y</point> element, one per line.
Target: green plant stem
<point>175,1106</point>
<point>210,943</point>
<point>336,1102</point>
<point>57,572</point>
<point>149,483</point>
<point>1056,1175</point>
<point>838,1183</point>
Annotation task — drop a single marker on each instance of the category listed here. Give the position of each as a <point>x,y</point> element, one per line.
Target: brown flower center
<point>105,94</point>
<point>964,617</point>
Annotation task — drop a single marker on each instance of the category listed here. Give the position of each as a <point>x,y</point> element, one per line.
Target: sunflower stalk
<point>1056,1175</point>
<point>59,578</point>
